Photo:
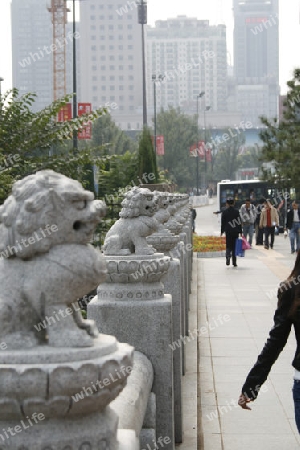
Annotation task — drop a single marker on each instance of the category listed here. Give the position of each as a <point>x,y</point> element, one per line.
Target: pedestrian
<point>286,315</point>
<point>293,224</point>
<point>259,232</point>
<point>221,210</point>
<point>248,215</point>
<point>194,215</point>
<point>269,220</point>
<point>231,226</point>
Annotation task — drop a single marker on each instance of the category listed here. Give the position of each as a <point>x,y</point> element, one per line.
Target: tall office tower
<point>111,59</point>
<point>191,55</point>
<point>256,58</point>
<point>32,57</point>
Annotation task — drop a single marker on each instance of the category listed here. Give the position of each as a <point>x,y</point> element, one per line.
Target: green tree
<point>180,132</point>
<point>147,157</point>
<point>251,158</point>
<point>281,141</point>
<point>227,161</point>
<point>107,133</point>
<point>36,141</point>
<point>117,174</point>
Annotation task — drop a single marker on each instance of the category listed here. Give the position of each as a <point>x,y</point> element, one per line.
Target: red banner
<point>160,145</point>
<point>65,113</point>
<point>193,150</point>
<point>86,132</point>
<point>201,149</point>
<point>208,154</point>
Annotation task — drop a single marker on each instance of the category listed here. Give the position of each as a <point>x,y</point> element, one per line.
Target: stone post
<point>164,241</point>
<point>131,304</point>
<point>57,374</point>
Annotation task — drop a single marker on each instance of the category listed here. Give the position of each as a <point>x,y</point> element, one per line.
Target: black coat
<point>277,339</point>
<point>231,222</point>
<point>290,218</point>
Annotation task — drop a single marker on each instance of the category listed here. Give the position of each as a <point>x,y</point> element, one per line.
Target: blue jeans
<point>294,236</point>
<point>296,397</point>
<point>248,229</point>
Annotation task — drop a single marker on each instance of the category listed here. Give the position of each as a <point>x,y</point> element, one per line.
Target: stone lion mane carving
<point>128,234</point>
<point>41,279</point>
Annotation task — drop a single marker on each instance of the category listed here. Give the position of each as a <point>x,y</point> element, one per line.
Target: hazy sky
<point>216,11</point>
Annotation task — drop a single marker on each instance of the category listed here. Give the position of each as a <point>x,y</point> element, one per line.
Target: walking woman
<point>286,315</point>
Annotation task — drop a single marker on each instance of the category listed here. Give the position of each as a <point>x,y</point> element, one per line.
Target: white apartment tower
<point>256,58</point>
<point>111,59</point>
<point>191,56</point>
<point>31,66</point>
<point>32,58</point>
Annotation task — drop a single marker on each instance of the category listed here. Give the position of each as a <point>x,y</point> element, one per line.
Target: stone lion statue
<point>162,215</point>
<point>128,234</point>
<point>47,263</point>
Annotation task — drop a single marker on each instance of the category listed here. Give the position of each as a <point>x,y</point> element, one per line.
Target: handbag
<point>245,244</point>
<point>239,247</point>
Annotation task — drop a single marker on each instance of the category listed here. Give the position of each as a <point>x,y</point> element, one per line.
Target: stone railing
<point>145,302</point>
<point>62,385</point>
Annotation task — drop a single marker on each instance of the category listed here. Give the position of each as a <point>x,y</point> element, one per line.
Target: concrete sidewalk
<point>235,308</point>
<point>232,309</point>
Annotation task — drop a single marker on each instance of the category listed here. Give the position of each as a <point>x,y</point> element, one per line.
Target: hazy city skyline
<point>289,29</point>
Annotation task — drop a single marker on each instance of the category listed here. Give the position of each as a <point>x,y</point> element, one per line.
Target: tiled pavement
<point>235,307</point>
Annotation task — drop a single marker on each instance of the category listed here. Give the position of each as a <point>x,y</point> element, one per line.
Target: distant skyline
<point>289,29</point>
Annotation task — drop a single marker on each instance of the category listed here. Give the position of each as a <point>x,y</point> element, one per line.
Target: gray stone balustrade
<point>64,386</point>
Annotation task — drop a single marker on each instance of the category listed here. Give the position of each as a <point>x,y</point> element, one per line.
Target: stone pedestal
<point>165,242</point>
<point>58,399</point>
<point>131,305</point>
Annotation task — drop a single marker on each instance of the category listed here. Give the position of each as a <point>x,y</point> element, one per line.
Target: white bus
<point>255,190</point>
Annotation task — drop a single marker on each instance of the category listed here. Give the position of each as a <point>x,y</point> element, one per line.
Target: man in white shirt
<point>248,215</point>
<point>293,224</point>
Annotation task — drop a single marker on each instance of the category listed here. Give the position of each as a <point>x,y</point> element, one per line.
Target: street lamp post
<point>1,79</point>
<point>75,134</point>
<point>75,114</point>
<point>207,108</point>
<point>142,19</point>
<point>155,79</point>
<point>197,160</point>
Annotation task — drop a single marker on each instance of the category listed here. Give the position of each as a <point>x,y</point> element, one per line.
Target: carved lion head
<point>139,202</point>
<point>44,210</point>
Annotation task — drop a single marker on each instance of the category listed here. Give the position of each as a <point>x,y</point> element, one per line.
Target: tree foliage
<point>251,158</point>
<point>180,132</point>
<point>107,133</point>
<point>281,141</point>
<point>36,141</point>
<point>117,173</point>
<point>227,160</point>
<point>146,157</point>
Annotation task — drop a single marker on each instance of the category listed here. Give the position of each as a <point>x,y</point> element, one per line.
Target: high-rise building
<point>32,51</point>
<point>31,63</point>
<point>191,55</point>
<point>256,58</point>
<point>111,59</point>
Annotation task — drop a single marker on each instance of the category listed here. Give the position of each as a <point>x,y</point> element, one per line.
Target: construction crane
<point>59,12</point>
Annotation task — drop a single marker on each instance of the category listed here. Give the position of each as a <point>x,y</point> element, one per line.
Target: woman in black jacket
<point>286,315</point>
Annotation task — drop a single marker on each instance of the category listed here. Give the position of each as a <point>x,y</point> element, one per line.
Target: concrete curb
<point>211,254</point>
